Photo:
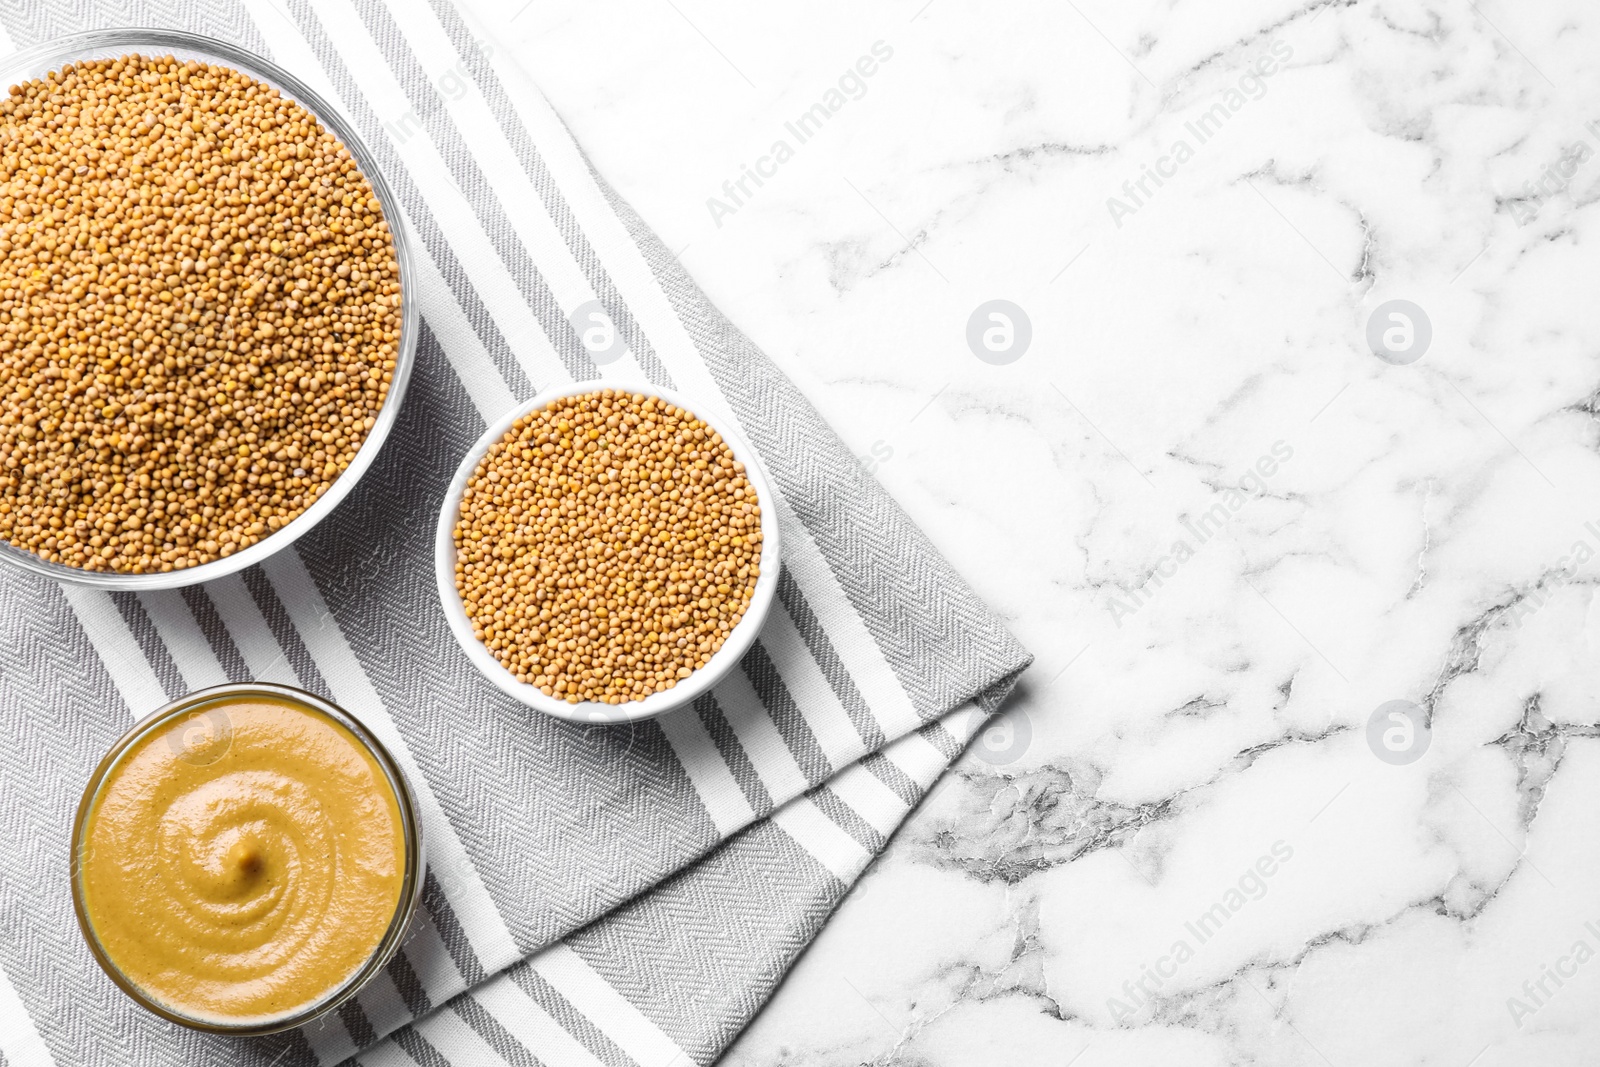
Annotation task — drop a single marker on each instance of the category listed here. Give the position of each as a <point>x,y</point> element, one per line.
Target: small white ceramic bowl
<point>726,657</point>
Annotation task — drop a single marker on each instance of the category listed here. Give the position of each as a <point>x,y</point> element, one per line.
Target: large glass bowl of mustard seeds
<point>206,312</point>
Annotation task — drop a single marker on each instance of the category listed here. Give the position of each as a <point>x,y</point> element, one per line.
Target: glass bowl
<point>726,658</point>
<point>195,706</point>
<point>106,44</point>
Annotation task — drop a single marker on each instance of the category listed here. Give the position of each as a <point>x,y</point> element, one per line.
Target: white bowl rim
<point>724,660</point>
<point>93,43</point>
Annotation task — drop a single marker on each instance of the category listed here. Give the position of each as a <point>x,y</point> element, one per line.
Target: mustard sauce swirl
<point>244,861</point>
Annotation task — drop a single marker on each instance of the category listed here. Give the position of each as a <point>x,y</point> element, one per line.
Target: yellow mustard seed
<point>199,313</point>
<point>607,545</point>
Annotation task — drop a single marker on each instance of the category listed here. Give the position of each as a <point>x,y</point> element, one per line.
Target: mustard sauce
<point>243,861</point>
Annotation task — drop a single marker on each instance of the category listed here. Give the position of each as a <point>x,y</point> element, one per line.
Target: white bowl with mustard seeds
<point>607,552</point>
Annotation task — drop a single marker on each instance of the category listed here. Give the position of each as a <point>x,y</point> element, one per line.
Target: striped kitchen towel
<point>596,895</point>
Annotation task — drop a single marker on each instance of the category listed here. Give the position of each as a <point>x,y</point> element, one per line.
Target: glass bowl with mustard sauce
<point>246,859</point>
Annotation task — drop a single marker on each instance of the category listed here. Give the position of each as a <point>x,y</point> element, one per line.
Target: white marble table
<point>1229,530</point>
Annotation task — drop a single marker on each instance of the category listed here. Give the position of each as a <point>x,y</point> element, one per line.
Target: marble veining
<point>1308,766</point>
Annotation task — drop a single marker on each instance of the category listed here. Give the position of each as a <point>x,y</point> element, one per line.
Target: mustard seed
<point>607,546</point>
<point>199,313</point>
